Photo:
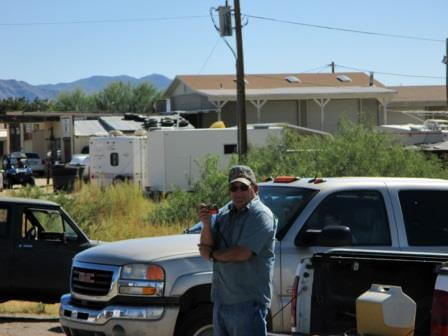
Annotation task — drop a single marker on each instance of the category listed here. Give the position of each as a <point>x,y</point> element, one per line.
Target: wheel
<point>198,322</point>
<point>6,183</point>
<point>29,181</point>
<point>118,179</point>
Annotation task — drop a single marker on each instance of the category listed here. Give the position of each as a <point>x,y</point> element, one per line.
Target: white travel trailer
<point>175,156</point>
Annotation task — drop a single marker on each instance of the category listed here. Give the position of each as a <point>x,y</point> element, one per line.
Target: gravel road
<point>11,325</point>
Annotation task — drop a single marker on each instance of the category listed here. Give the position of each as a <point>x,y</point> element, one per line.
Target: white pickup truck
<point>161,286</point>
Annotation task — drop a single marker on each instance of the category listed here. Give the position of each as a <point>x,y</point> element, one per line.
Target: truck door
<point>42,260</point>
<point>6,243</point>
<point>363,211</point>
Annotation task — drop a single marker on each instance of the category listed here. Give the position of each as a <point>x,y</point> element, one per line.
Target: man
<point>241,245</point>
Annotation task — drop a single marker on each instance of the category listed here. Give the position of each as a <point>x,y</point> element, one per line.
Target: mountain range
<point>15,89</point>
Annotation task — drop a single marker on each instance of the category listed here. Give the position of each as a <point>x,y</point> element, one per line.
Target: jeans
<point>239,319</point>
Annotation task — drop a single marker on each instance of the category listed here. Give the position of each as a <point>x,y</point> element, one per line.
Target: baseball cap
<point>243,174</point>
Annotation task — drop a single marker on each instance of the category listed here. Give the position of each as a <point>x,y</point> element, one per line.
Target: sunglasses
<point>235,188</point>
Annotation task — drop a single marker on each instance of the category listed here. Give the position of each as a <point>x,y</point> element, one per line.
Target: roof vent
<point>292,79</point>
<point>344,78</point>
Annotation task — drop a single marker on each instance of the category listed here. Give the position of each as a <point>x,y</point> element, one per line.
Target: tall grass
<point>25,307</point>
<point>114,213</point>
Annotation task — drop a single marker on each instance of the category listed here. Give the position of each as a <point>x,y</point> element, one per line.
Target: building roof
<point>120,124</point>
<point>285,86</point>
<point>422,93</point>
<point>271,81</point>
<point>302,93</point>
<point>89,128</point>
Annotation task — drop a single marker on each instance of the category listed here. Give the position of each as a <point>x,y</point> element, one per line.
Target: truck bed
<point>340,276</point>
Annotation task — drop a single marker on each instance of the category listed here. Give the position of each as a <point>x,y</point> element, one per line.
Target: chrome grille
<point>92,282</point>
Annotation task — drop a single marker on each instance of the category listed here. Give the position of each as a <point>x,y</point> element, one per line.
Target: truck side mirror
<point>335,235</point>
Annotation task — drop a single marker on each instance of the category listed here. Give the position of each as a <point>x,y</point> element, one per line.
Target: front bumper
<point>117,319</point>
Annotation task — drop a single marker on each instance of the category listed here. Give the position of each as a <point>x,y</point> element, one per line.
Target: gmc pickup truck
<point>161,286</point>
<point>321,306</point>
<point>38,240</point>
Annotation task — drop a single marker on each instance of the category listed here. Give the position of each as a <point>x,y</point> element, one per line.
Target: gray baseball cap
<point>243,174</point>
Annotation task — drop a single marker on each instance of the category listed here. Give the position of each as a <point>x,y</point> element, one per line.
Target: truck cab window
<point>3,222</point>
<point>114,159</point>
<point>286,204</point>
<point>43,224</point>
<point>424,215</point>
<point>363,212</point>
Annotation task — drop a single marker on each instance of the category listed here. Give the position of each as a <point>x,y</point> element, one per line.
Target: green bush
<point>355,150</point>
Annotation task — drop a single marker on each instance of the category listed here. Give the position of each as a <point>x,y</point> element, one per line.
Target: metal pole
<point>240,86</point>
<point>446,64</point>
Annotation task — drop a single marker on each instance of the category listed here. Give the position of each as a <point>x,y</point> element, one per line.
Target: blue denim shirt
<point>253,227</point>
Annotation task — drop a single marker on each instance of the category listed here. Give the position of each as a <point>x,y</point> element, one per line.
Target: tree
<point>76,101</point>
<point>115,98</point>
<point>144,97</point>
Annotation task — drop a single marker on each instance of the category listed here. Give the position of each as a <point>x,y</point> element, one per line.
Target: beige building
<point>312,100</point>
<point>413,103</point>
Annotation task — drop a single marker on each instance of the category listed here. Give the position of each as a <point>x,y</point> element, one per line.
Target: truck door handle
<point>27,246</point>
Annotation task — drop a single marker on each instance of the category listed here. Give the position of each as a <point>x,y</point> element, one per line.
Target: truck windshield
<point>286,203</point>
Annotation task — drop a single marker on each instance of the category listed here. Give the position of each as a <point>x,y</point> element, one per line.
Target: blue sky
<point>52,53</point>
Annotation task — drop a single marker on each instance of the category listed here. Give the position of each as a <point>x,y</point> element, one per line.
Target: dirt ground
<point>41,182</point>
<point>11,325</point>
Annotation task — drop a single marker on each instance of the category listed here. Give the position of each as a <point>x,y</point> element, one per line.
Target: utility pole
<point>446,64</point>
<point>332,67</point>
<point>240,87</point>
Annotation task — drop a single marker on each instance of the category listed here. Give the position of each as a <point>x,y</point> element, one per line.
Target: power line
<point>209,55</point>
<point>409,37</point>
<point>168,18</point>
<point>390,73</point>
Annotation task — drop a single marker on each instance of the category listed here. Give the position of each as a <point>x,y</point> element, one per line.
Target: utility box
<point>225,20</point>
<point>386,311</point>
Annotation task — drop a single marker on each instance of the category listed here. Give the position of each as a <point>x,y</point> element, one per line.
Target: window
<point>230,149</point>
<point>3,222</point>
<point>424,215</point>
<point>45,224</point>
<point>363,212</point>
<point>114,159</point>
<point>286,204</point>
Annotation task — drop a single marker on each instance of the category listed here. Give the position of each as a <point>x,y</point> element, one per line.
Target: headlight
<point>141,279</point>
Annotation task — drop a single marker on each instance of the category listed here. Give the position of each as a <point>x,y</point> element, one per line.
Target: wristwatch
<point>210,256</point>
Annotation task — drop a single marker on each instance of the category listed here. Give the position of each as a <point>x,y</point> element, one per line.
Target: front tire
<point>198,322</point>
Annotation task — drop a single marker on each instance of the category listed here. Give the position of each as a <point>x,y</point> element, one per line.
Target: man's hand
<point>204,214</point>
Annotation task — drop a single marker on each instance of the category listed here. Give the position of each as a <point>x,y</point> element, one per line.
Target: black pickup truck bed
<point>340,276</point>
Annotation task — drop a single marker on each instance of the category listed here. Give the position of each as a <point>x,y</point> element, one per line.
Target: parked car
<point>38,240</point>
<point>81,161</point>
<point>16,170</point>
<point>161,285</point>
<point>35,163</point>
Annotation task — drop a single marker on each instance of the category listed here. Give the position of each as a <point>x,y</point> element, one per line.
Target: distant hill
<point>14,88</point>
